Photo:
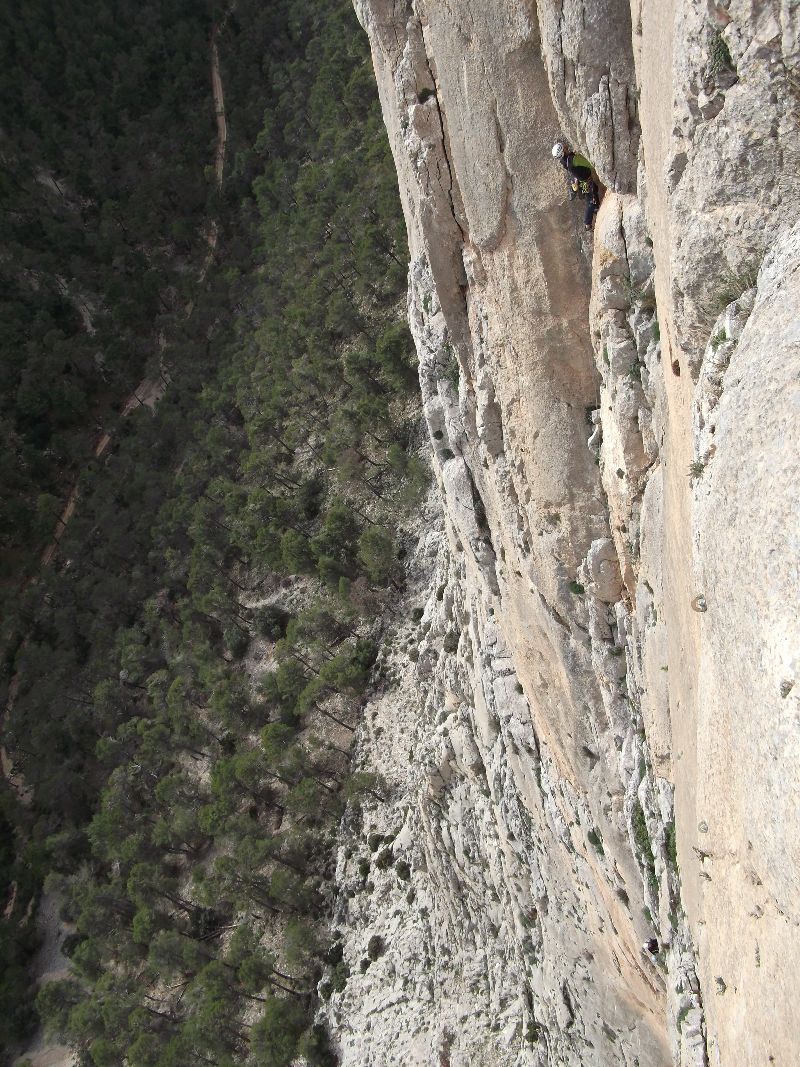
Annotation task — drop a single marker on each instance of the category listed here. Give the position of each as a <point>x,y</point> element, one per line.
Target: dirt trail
<point>150,390</point>
<point>212,230</point>
<point>219,103</point>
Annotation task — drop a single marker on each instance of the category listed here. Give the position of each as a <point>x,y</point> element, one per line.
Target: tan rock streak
<point>499,296</point>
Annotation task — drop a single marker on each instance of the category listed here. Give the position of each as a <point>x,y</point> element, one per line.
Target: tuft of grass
<point>596,841</point>
<point>577,588</point>
<point>719,57</point>
<point>452,370</point>
<point>609,1034</point>
<point>533,1033</point>
<point>339,977</point>
<point>642,298</point>
<point>671,844</point>
<point>644,846</point>
<point>696,468</point>
<point>403,870</point>
<point>641,835</point>
<point>450,644</point>
<point>385,859</point>
<point>735,283</point>
<point>376,947</point>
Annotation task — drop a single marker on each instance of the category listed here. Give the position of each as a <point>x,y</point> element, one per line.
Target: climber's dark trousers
<point>592,204</point>
<point>583,174</point>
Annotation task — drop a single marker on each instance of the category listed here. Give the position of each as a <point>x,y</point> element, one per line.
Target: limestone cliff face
<point>601,643</point>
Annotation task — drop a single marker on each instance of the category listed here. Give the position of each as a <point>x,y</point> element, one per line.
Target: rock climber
<point>580,179</point>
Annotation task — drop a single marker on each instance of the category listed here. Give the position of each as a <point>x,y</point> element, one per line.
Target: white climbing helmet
<point>558,149</point>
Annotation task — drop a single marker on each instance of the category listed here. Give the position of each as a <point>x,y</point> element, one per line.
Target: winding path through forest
<point>49,961</point>
<point>150,390</point>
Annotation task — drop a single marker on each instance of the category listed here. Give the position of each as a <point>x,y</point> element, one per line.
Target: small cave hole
<point>424,95</point>
<point>676,368</point>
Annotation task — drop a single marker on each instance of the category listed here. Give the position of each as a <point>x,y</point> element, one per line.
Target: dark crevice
<point>555,615</point>
<point>445,153</point>
<point>613,142</point>
<point>568,1005</point>
<point>479,510</point>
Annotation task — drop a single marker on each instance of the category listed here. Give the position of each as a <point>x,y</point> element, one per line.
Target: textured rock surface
<point>588,53</point>
<point>606,641</point>
<point>496,934</point>
<point>745,523</point>
<point>727,184</point>
<point>720,141</point>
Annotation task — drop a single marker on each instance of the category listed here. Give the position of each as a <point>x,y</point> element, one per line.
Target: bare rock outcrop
<point>487,881</point>
<point>588,53</point>
<point>607,627</point>
<point>745,523</point>
<point>725,179</point>
<point>720,142</point>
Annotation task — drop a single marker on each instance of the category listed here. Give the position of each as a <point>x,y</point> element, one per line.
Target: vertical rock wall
<point>719,116</point>
<point>555,693</point>
<point>588,53</point>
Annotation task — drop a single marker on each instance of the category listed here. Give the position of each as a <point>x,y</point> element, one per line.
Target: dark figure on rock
<point>580,179</point>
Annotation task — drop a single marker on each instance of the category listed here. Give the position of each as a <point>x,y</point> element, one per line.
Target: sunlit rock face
<point>600,621</point>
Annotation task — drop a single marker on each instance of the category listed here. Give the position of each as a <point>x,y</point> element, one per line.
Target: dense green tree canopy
<point>189,670</point>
